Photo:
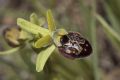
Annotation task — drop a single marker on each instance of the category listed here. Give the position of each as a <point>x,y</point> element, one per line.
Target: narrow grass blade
<point>44,41</point>
<point>113,20</point>
<point>42,57</point>
<point>115,42</point>
<point>50,20</point>
<point>108,28</point>
<point>86,12</point>
<point>94,42</point>
<point>31,28</point>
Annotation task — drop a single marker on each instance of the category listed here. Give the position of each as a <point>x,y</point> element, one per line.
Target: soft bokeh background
<point>73,15</point>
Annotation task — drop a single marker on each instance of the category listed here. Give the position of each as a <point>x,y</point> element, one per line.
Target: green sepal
<point>32,28</point>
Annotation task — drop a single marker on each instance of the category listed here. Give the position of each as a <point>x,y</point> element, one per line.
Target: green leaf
<point>50,20</point>
<point>44,41</point>
<point>32,28</point>
<point>13,50</point>
<point>34,19</point>
<point>108,28</point>
<point>42,57</point>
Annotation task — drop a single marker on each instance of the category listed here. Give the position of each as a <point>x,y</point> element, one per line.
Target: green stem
<point>13,50</point>
<point>94,42</point>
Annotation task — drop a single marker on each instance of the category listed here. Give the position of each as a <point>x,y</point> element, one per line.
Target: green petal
<point>34,19</point>
<point>42,21</point>
<point>32,28</point>
<point>56,35</point>
<point>24,35</point>
<point>50,20</point>
<point>44,41</point>
<point>42,57</point>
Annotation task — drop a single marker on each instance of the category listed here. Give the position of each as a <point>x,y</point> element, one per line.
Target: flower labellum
<point>73,45</point>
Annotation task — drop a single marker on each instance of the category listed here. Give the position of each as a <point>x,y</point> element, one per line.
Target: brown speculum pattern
<point>73,45</point>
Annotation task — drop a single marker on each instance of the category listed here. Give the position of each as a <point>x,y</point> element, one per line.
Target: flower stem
<point>9,51</point>
<point>94,42</point>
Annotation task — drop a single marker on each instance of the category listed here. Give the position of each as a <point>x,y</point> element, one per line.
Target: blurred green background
<point>97,20</point>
